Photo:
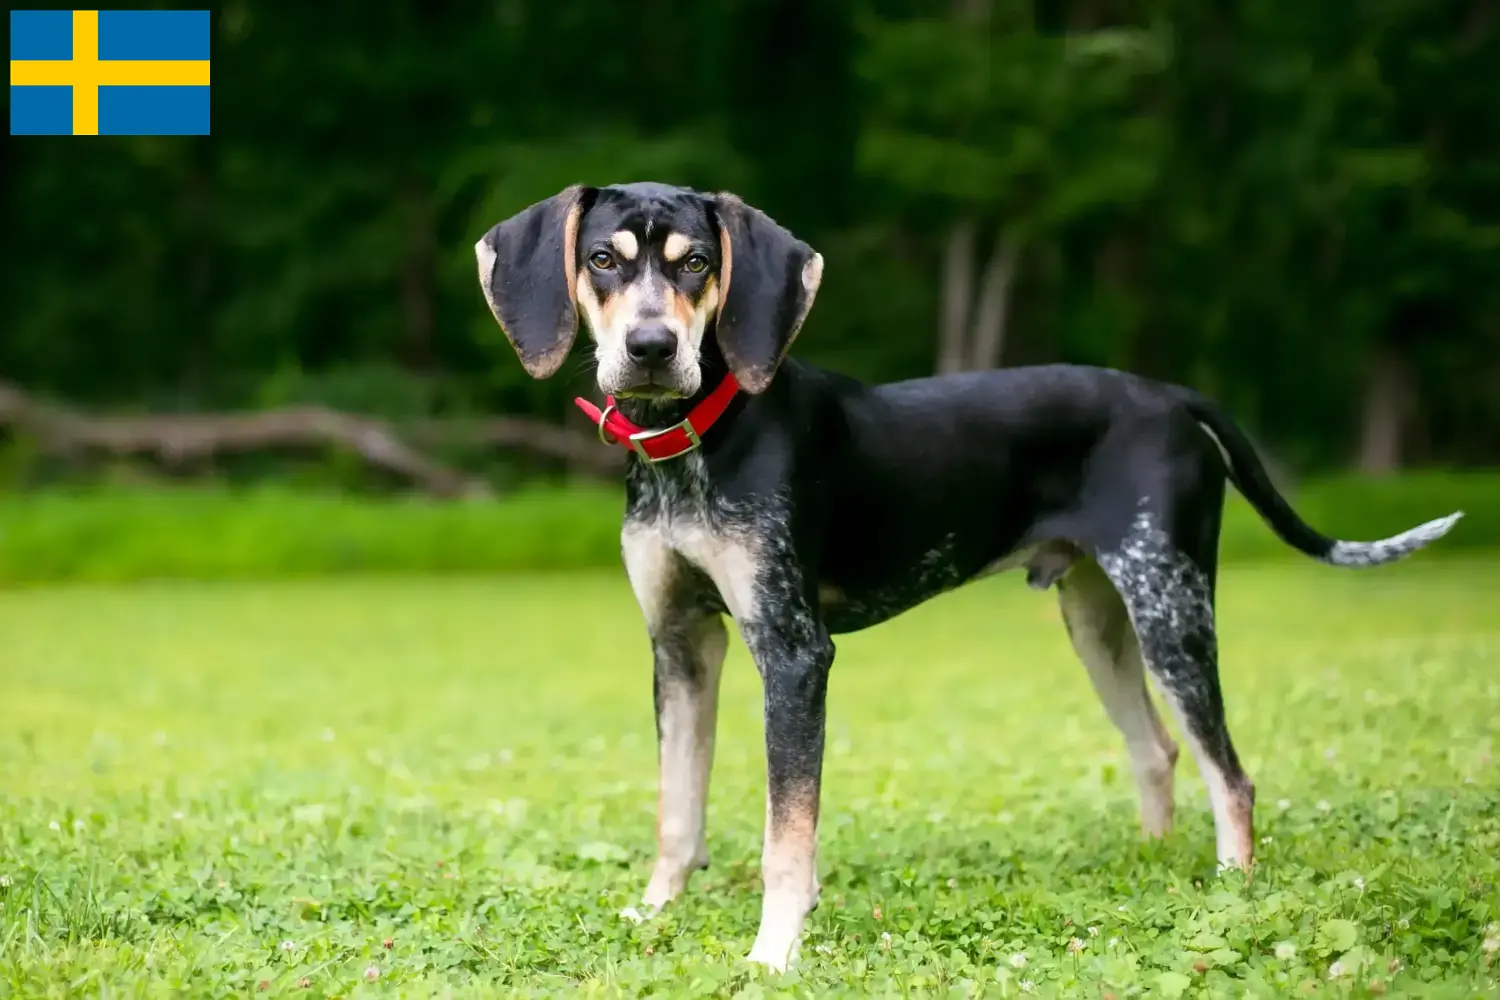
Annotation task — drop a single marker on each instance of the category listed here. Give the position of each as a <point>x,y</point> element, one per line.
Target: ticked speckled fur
<point>676,502</point>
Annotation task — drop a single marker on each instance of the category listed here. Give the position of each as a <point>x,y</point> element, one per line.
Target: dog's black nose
<point>653,344</point>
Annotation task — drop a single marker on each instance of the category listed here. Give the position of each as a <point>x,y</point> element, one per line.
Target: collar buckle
<point>638,439</point>
<point>615,429</point>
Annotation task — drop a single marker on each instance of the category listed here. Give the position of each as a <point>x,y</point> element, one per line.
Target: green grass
<point>117,535</point>
<point>279,533</point>
<point>449,785</point>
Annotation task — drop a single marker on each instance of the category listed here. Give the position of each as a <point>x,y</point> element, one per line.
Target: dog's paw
<point>635,916</point>
<point>782,916</point>
<point>1234,865</point>
<point>774,957</point>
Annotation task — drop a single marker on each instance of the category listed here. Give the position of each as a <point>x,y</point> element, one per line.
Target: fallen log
<point>579,450</point>
<point>181,437</point>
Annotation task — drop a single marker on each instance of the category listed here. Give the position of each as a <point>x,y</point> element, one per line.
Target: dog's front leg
<point>688,642</point>
<point>793,653</point>
<point>689,653</point>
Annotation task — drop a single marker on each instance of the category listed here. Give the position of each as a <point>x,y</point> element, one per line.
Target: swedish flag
<point>109,72</point>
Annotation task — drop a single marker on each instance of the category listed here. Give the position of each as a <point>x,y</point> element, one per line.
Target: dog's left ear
<point>527,269</point>
<point>766,286</point>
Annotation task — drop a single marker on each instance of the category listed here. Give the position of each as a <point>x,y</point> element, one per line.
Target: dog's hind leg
<point>1170,600</point>
<point>1099,627</point>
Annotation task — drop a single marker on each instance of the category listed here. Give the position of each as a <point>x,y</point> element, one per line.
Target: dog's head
<point>653,269</point>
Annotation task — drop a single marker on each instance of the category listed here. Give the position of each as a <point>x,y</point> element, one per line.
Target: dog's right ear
<point>527,269</point>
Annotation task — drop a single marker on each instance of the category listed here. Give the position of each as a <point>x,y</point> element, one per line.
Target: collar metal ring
<point>604,435</point>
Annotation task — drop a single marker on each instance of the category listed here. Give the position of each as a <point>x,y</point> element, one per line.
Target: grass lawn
<point>448,787</point>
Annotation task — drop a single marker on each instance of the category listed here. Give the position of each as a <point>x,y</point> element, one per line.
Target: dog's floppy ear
<point>527,269</point>
<point>767,283</point>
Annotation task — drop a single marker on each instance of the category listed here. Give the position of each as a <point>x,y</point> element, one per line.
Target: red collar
<point>669,442</point>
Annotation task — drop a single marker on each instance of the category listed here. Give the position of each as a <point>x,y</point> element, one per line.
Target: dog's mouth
<point>650,386</point>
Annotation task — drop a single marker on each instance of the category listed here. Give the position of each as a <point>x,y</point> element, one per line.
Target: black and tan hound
<point>804,504</point>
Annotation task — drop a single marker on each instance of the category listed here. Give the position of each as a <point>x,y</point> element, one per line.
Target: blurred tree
<point>983,122</point>
<point>1293,206</point>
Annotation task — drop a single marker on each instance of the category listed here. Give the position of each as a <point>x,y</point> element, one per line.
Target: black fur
<point>766,300</point>
<point>527,284</point>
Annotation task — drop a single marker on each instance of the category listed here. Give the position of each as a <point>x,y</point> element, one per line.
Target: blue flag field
<point>109,72</point>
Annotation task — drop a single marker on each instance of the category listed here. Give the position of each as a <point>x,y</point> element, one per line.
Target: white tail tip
<point>1359,554</point>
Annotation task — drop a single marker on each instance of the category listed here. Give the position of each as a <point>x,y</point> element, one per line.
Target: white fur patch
<point>728,561</point>
<point>684,530</point>
<point>782,916</point>
<point>1223,452</point>
<point>812,273</point>
<point>650,565</point>
<point>1233,835</point>
<point>1361,554</point>
<point>812,277</point>
<point>789,869</point>
<point>486,256</point>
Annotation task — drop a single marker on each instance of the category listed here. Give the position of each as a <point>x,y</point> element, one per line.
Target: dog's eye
<point>601,260</point>
<point>697,263</point>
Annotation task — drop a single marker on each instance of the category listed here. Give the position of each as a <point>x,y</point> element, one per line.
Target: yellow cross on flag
<point>113,72</point>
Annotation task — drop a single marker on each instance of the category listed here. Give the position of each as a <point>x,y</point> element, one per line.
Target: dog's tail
<point>1250,478</point>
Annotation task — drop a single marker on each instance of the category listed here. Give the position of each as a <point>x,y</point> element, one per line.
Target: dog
<point>805,504</point>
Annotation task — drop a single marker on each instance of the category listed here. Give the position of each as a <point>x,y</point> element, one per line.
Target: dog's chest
<point>674,520</point>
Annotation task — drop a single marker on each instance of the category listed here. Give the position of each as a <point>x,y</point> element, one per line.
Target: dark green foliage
<point>1268,200</point>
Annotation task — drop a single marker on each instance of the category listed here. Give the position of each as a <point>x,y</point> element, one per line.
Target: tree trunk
<point>988,343</point>
<point>959,255</point>
<point>958,289</point>
<point>1388,396</point>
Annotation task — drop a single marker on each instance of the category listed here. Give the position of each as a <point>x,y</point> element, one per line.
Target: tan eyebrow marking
<point>676,247</point>
<point>625,242</point>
